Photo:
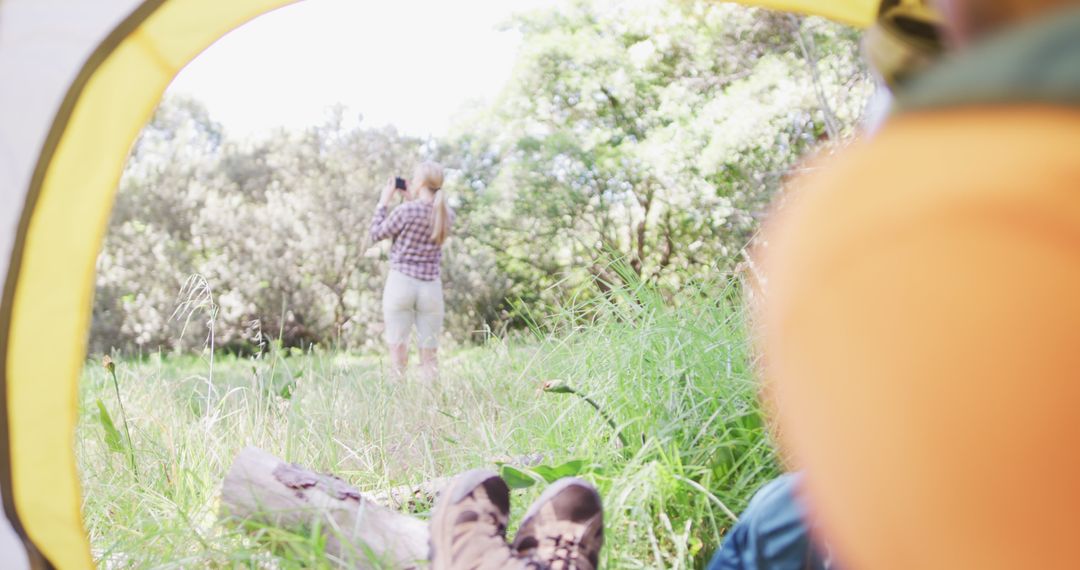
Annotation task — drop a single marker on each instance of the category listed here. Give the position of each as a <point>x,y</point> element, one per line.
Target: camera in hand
<point>399,183</point>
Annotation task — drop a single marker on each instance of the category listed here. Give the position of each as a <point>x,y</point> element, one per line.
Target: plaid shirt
<point>413,252</point>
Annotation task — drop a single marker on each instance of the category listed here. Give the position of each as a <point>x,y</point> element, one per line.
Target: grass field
<point>673,375</point>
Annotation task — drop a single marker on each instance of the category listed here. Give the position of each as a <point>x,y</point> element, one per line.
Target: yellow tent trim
<point>53,296</point>
<point>861,13</point>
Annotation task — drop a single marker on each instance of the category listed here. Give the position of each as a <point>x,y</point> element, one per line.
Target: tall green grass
<point>673,375</point>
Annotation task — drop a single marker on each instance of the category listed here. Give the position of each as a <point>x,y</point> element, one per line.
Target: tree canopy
<point>649,133</point>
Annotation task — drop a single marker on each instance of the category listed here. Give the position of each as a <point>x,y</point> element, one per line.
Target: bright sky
<point>409,63</point>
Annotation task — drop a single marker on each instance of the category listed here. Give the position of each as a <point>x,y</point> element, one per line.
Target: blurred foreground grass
<point>673,374</point>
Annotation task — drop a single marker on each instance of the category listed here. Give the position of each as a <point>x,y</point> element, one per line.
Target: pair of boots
<point>563,530</point>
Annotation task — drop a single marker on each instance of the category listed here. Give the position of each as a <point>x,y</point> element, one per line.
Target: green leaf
<point>286,390</point>
<point>112,435</point>
<point>571,468</point>
<point>696,545</point>
<point>516,478</point>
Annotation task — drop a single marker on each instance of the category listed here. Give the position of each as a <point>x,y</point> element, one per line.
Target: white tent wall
<point>12,553</point>
<point>78,80</point>
<point>43,45</point>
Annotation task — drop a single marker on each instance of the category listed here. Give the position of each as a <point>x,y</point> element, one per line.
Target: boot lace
<point>564,555</point>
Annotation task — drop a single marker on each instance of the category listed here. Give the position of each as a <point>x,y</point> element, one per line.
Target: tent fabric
<point>94,109</point>
<point>42,48</point>
<point>37,70</point>
<point>861,13</point>
<point>78,80</point>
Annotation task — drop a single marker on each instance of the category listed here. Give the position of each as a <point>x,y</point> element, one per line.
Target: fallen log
<point>263,489</point>
<point>411,497</point>
<point>361,531</point>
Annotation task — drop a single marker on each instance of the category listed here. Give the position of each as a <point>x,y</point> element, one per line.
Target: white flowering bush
<point>276,229</point>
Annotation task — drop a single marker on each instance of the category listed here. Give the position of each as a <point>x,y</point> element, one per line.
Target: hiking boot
<point>468,526</point>
<point>564,528</point>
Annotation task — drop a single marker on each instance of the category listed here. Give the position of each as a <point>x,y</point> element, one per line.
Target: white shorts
<point>408,301</point>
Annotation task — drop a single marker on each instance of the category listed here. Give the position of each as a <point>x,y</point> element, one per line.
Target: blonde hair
<point>431,176</point>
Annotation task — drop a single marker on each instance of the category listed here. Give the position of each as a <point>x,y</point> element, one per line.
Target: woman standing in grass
<point>413,294</point>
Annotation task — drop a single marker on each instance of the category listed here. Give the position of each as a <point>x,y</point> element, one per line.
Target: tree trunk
<point>263,489</point>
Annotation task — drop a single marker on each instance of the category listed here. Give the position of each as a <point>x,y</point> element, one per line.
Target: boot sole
<point>546,497</point>
<point>460,487</point>
<point>556,488</point>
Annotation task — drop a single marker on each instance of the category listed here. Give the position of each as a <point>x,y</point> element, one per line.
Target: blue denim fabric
<point>771,534</point>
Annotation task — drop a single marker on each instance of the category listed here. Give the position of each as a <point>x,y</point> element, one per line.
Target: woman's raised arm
<point>385,226</point>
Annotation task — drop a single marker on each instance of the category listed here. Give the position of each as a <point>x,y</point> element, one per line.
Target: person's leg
<point>772,534</point>
<point>399,358</point>
<point>429,363</point>
<point>399,300</point>
<point>430,311</point>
